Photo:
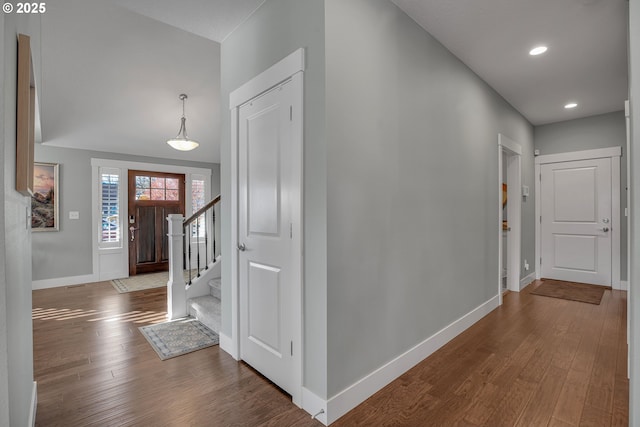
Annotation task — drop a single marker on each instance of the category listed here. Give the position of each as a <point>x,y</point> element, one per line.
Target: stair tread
<point>206,301</point>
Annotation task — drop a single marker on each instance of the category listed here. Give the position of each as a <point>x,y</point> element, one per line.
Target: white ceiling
<point>112,70</point>
<point>586,61</point>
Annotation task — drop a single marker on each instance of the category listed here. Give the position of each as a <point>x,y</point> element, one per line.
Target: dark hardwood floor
<point>535,361</point>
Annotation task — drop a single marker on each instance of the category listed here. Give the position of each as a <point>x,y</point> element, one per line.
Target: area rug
<point>581,292</point>
<point>178,337</point>
<point>141,282</point>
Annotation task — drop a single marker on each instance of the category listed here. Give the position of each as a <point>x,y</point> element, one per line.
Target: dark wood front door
<point>152,196</point>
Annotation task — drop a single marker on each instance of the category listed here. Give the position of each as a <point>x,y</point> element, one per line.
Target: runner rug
<point>178,337</point>
<point>581,292</point>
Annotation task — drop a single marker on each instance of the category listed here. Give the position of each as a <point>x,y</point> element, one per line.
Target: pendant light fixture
<point>181,141</point>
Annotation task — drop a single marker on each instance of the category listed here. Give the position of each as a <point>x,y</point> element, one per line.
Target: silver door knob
<point>132,230</point>
<point>242,247</point>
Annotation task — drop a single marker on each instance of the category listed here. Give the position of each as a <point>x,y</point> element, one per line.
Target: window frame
<point>117,244</point>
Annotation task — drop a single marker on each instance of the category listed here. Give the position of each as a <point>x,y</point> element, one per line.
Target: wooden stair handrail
<point>200,212</point>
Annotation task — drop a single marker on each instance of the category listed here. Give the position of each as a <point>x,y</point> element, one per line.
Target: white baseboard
<point>314,405</point>
<point>34,405</point>
<point>63,281</point>
<point>624,285</point>
<point>226,344</point>
<point>526,280</point>
<point>358,392</point>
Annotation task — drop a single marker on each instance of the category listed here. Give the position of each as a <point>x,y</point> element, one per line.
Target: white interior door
<point>265,228</point>
<point>576,211</point>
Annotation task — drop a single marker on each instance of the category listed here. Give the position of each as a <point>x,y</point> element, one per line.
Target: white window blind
<point>197,202</point>
<point>110,207</point>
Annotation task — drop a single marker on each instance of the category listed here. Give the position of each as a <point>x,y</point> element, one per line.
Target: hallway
<point>533,361</point>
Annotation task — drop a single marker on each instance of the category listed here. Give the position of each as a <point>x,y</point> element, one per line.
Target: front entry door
<point>152,197</point>
<point>265,235</point>
<point>576,221</point>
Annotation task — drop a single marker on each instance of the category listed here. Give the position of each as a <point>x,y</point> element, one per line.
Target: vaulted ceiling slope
<point>586,61</point>
<point>111,80</point>
<point>212,19</point>
<point>112,70</point>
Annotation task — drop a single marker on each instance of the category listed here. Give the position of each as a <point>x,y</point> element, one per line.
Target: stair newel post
<point>176,292</point>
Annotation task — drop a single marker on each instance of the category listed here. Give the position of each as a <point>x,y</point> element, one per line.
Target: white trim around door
<point>513,152</point>
<point>614,153</point>
<point>289,69</point>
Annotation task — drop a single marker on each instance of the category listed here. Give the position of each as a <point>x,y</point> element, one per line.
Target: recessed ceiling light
<point>571,105</point>
<point>538,50</point>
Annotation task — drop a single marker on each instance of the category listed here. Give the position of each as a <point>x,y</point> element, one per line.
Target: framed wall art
<point>44,202</point>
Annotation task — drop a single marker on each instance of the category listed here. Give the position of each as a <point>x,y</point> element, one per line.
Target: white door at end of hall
<point>264,235</point>
<point>576,221</point>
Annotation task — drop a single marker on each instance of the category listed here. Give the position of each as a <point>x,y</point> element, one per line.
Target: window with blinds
<point>110,207</point>
<point>197,202</point>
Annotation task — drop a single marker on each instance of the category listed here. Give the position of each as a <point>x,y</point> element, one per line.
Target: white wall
<point>4,340</point>
<point>604,130</point>
<point>17,238</point>
<point>274,31</point>
<point>401,198</point>
<point>412,194</point>
<point>634,313</point>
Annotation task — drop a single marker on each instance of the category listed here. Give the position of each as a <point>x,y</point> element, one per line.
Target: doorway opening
<point>510,209</point>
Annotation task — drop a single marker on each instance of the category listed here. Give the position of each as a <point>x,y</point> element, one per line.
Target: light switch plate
<point>74,215</point>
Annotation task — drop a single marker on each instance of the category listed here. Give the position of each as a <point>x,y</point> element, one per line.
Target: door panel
<point>263,287</point>
<point>264,218</point>
<point>263,182</point>
<point>146,234</point>
<point>152,197</point>
<point>575,195</point>
<point>575,252</point>
<point>576,221</point>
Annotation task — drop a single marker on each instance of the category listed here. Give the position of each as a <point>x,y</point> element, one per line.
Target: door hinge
<point>540,176</point>
<point>540,219</point>
<point>291,113</point>
<point>291,230</point>
<point>292,348</point>
<point>540,260</point>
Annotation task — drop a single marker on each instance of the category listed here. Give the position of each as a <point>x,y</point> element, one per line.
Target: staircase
<point>206,308</point>
<point>192,247</point>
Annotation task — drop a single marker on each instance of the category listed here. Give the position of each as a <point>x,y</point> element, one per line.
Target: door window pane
<point>173,195</point>
<point>172,184</point>
<point>142,182</point>
<point>157,182</point>
<point>157,194</point>
<point>157,188</point>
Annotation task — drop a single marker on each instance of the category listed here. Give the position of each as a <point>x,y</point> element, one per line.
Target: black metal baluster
<point>206,244</point>
<point>189,264</point>
<point>184,248</point>
<point>198,244</point>
<point>213,220</point>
